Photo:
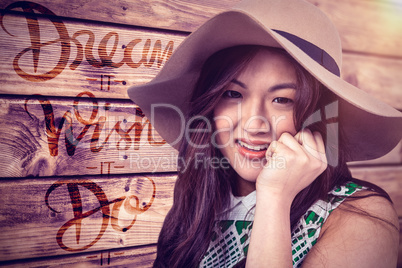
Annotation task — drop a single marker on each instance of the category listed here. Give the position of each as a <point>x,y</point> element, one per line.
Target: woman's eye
<point>232,94</point>
<point>283,100</point>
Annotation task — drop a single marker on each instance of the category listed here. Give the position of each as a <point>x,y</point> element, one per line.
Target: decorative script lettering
<point>73,187</point>
<point>65,40</point>
<point>54,131</point>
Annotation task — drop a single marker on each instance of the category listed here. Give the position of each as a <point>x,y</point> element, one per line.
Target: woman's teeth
<point>253,147</point>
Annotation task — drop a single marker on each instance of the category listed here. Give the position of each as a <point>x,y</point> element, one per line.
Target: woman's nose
<point>255,119</point>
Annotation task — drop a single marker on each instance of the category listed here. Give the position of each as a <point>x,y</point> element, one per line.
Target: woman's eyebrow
<point>283,86</point>
<point>271,89</point>
<point>237,82</point>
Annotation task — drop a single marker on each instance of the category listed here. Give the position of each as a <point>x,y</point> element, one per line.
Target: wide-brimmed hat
<point>371,127</point>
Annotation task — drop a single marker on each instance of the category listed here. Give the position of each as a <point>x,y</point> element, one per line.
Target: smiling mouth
<point>255,148</point>
<point>252,151</point>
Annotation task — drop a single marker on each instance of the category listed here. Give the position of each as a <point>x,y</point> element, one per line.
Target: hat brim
<point>362,118</point>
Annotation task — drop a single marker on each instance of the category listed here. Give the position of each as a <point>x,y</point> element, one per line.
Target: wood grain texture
<point>44,136</point>
<point>84,135</point>
<point>58,216</point>
<point>376,76</point>
<point>31,228</point>
<point>139,257</point>
<point>366,26</point>
<point>71,57</point>
<point>106,60</point>
<point>399,265</point>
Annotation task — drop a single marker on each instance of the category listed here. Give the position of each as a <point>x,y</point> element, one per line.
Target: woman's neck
<point>243,187</point>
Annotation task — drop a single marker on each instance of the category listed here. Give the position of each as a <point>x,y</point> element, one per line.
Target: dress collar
<point>247,201</point>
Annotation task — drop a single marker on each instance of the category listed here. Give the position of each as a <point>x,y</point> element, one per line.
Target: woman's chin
<point>249,170</point>
<point>249,175</point>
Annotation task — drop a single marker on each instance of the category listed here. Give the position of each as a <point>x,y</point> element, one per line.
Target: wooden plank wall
<point>85,180</point>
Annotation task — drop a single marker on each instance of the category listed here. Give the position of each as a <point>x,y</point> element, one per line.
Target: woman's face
<point>255,109</point>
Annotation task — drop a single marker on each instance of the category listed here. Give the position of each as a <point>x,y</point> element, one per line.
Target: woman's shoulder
<point>363,205</point>
<point>362,230</point>
<point>367,204</point>
<point>356,196</point>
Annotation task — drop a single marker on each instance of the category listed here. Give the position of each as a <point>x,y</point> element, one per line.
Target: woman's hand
<point>293,163</point>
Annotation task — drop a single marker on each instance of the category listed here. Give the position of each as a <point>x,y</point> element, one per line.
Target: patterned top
<point>230,239</point>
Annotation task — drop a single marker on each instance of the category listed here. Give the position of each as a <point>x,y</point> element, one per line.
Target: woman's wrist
<point>270,238</point>
<point>271,196</point>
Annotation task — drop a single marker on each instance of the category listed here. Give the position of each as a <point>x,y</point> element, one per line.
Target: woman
<point>264,127</point>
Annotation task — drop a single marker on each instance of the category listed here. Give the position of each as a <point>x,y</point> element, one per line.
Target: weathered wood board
<point>105,207</point>
<point>138,257</point>
<point>73,57</point>
<point>44,136</point>
<point>367,26</point>
<point>400,244</point>
<point>58,216</point>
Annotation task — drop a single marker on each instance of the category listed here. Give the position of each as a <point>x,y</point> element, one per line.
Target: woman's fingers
<point>308,146</point>
<point>320,148</point>
<point>302,143</point>
<point>312,143</point>
<point>293,162</point>
<point>277,148</point>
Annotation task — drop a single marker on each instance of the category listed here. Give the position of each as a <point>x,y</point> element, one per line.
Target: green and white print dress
<point>230,239</point>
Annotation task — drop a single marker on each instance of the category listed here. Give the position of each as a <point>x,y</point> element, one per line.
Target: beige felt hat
<point>372,128</point>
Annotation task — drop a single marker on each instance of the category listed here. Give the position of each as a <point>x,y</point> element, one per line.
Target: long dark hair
<point>202,191</point>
